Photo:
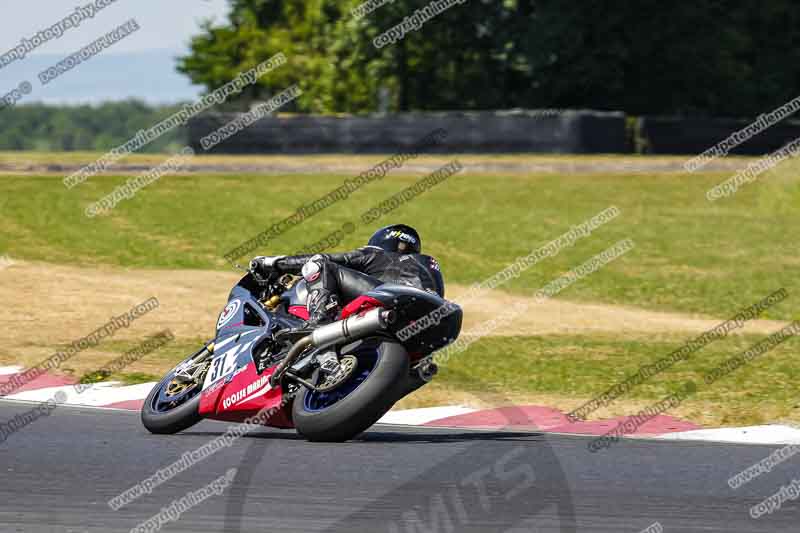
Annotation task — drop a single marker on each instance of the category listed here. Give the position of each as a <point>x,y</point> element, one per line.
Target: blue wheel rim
<point>163,403</point>
<point>315,401</point>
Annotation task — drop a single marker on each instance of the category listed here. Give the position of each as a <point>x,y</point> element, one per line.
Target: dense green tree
<point>258,30</point>
<point>649,57</point>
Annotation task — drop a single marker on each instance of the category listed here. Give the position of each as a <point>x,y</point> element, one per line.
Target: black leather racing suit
<point>345,276</point>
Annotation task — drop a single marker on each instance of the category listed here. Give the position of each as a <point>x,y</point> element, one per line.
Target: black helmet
<point>397,238</point>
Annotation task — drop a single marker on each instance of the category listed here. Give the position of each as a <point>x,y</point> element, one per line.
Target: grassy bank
<point>690,255</point>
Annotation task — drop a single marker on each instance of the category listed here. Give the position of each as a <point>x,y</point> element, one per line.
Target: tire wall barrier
<point>520,131</point>
<point>538,131</point>
<point>676,135</point>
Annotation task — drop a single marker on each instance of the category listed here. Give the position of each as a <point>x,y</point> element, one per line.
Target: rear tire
<point>360,409</point>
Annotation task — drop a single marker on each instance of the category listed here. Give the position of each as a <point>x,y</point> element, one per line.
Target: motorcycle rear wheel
<point>372,396</point>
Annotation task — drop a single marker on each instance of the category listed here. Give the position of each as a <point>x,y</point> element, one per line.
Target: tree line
<point>102,127</point>
<point>644,57</point>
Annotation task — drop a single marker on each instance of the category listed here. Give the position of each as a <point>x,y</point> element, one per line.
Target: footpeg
<point>427,370</point>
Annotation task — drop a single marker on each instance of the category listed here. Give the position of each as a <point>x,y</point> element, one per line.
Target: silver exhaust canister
<point>353,327</point>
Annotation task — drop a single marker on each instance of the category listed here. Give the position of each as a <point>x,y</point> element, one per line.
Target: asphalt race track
<point>60,471</point>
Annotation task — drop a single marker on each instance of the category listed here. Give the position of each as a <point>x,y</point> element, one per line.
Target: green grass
<point>88,367</point>
<point>568,367</point>
<point>135,378</point>
<point>690,255</point>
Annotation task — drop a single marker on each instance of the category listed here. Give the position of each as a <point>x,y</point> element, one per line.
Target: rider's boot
<point>323,307</point>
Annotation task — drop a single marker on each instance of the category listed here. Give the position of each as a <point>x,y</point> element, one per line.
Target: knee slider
<point>312,269</point>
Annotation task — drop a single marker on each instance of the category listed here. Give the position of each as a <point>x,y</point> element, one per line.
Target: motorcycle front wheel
<point>173,404</point>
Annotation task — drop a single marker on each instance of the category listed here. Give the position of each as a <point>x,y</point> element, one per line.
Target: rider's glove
<point>265,263</point>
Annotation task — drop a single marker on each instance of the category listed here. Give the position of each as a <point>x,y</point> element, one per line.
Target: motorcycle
<point>330,383</point>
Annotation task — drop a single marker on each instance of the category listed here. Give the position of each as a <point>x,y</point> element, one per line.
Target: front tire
<point>182,417</point>
<point>359,409</point>
<point>169,419</point>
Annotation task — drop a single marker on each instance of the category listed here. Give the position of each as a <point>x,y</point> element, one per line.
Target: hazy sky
<point>165,23</point>
<point>141,65</point>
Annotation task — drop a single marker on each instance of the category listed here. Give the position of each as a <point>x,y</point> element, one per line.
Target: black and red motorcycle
<point>330,383</point>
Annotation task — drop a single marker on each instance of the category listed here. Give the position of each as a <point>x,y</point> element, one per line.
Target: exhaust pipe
<point>351,328</point>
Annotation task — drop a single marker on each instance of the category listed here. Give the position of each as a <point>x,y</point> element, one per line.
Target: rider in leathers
<point>392,255</point>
